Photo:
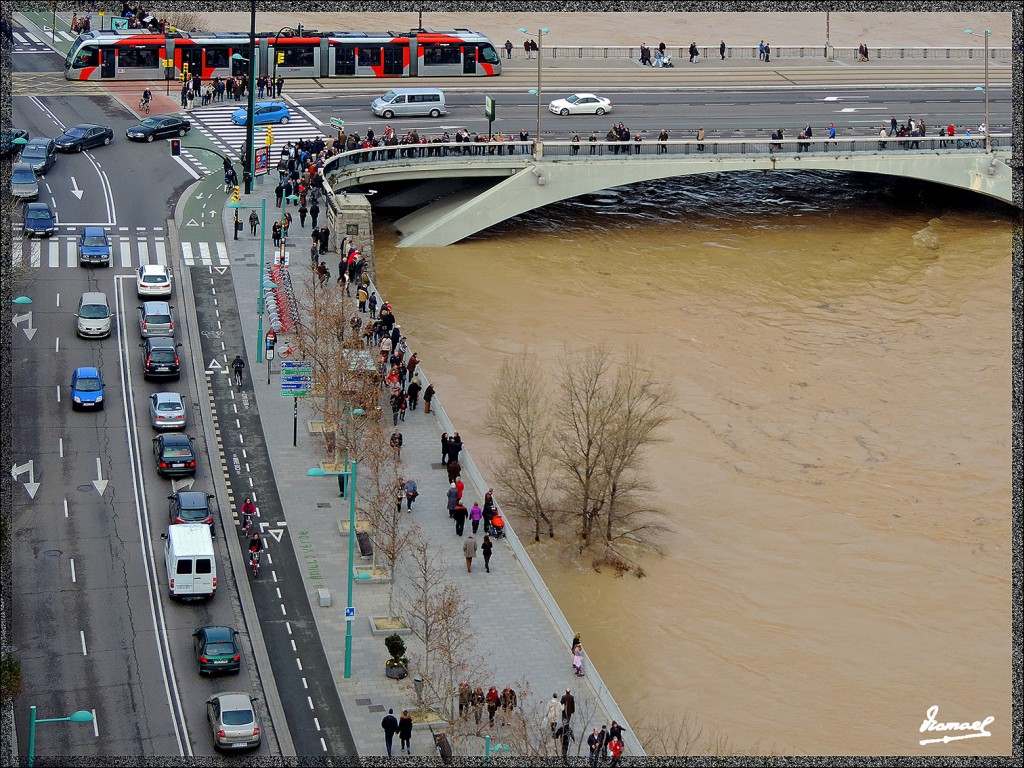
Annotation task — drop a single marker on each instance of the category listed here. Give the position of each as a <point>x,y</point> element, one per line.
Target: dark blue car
<point>39,220</point>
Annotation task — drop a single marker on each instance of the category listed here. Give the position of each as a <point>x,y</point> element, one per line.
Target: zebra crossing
<point>214,122</point>
<point>26,42</point>
<point>205,254</point>
<point>61,251</point>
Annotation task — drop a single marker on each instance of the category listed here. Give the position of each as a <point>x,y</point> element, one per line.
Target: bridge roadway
<point>460,190</point>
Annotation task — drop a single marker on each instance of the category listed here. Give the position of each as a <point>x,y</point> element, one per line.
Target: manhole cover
<point>52,552</point>
<point>86,487</point>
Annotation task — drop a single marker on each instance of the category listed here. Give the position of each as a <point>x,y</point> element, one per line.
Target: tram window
<point>344,60</point>
<point>298,57</point>
<point>218,57</point>
<point>489,55</point>
<point>369,57</point>
<point>138,58</point>
<point>87,57</point>
<point>434,55</point>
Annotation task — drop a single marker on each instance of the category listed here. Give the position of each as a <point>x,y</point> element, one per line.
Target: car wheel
<point>182,131</point>
<point>600,111</point>
<point>79,147</point>
<point>564,112</point>
<point>388,114</point>
<point>149,138</point>
<point>434,113</point>
<point>106,141</point>
<point>284,121</point>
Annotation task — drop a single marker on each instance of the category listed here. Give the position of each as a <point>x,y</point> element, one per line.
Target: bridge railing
<point>525,152</point>
<point>751,52</point>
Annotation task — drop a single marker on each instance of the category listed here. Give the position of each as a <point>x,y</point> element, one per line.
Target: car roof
<point>176,438</point>
<point>152,269</point>
<point>94,297</point>
<point>233,700</point>
<point>84,125</point>
<point>39,207</point>
<point>23,168</point>
<point>162,342</point>
<point>156,307</point>
<point>87,372</point>
<point>94,231</point>
<point>271,104</point>
<point>218,634</point>
<point>38,141</point>
<point>168,397</point>
<point>192,499</point>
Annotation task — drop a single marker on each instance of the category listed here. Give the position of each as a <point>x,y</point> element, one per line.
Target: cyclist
<point>238,365</point>
<point>147,97</point>
<point>248,510</point>
<point>255,545</point>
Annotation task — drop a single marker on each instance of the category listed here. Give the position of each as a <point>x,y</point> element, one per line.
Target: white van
<point>410,102</point>
<point>191,564</point>
<point>94,319</point>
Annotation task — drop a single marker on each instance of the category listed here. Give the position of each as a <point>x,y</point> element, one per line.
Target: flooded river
<point>837,480</point>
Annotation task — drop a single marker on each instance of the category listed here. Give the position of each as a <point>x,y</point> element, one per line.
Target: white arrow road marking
<point>177,485</point>
<point>75,190</point>
<point>220,270</point>
<point>29,330</point>
<point>862,109</point>
<point>213,367</point>
<point>31,486</point>
<point>277,533</point>
<point>99,483</point>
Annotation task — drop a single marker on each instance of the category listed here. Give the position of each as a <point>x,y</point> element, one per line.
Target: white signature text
<point>931,724</point>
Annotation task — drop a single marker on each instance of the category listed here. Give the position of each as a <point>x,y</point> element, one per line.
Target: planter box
<point>430,720</point>
<point>403,630</point>
<point>373,575</point>
<point>361,525</point>
<point>315,427</point>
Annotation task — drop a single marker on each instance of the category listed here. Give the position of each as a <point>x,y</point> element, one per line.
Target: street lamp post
<point>540,53</point>
<point>987,33</point>
<point>259,292</point>
<point>81,716</point>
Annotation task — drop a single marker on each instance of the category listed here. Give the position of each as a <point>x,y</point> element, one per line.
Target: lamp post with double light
<point>263,242</point>
<point>987,33</point>
<point>81,716</point>
<point>540,52</point>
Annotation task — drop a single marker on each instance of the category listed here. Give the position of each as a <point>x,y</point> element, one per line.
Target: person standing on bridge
<point>700,139</point>
<point>508,49</point>
<point>767,53</point>
<point>760,51</point>
<point>528,49</point>
<point>721,50</point>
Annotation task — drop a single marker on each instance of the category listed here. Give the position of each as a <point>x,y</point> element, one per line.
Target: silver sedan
<point>167,410</point>
<point>234,720</point>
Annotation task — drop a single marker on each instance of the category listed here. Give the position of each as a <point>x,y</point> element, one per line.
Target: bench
<point>365,545</point>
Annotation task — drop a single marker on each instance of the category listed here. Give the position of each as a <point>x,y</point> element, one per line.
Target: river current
<point>836,482</point>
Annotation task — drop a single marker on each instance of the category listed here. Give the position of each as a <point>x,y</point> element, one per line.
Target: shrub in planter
<point>397,666</point>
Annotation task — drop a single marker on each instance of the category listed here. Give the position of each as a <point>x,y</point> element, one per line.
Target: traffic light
<point>234,195</point>
<point>270,137</point>
<point>280,57</point>
<point>175,147</point>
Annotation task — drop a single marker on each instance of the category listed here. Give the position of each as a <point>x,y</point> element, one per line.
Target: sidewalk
<point>517,625</point>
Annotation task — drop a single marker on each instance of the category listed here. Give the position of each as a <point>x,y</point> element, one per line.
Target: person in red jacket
<point>615,750</point>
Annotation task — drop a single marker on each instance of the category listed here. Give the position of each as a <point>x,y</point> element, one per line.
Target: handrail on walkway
<point>751,52</point>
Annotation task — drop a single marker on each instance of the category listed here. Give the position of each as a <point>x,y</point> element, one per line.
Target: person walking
<point>615,750</point>
<point>286,222</point>
<point>508,49</point>
<point>508,704</point>
<point>469,550</point>
<point>700,139</point>
<point>396,444</point>
<point>414,394</point>
<point>721,50</point>
<point>390,726</point>
<point>314,214</point>
<point>760,51</point>
<point>564,734</point>
<point>303,210</point>
<point>893,125</point>
<point>459,512</point>
<point>767,53</point>
<point>568,706</point>
<point>428,395</point>
<point>254,221</point>
<point>275,232</point>
<point>445,445</point>
<point>475,515</point>
<point>485,549</point>
<point>405,732</point>
<point>453,499</point>
<point>594,745</point>
<point>278,194</point>
<point>492,704</point>
<point>553,714</point>
<point>411,492</point>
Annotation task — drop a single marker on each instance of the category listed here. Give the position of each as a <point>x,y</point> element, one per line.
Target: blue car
<point>266,112</point>
<point>39,220</point>
<point>86,388</point>
<point>93,247</point>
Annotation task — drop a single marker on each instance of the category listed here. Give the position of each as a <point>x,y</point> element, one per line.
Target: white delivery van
<point>191,564</point>
<point>410,102</point>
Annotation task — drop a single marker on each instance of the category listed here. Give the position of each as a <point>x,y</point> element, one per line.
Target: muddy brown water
<point>836,482</point>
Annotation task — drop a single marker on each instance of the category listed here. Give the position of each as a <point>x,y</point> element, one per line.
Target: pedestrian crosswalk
<point>27,42</point>
<point>204,254</point>
<point>61,251</point>
<point>214,122</point>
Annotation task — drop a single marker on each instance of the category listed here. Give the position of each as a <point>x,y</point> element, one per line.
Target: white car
<point>581,104</point>
<point>153,280</point>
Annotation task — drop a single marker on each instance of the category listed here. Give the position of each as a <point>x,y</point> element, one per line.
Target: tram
<point>127,54</point>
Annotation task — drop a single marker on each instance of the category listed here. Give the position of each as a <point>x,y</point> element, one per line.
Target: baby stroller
<point>496,527</point>
<point>662,60</point>
<point>577,661</point>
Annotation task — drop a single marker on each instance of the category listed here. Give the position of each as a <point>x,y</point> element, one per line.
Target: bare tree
<point>521,421</point>
<point>679,735</point>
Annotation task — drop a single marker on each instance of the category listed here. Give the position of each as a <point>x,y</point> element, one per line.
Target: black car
<point>84,136</point>
<point>175,455</point>
<point>191,507</point>
<point>40,153</point>
<point>39,220</point>
<point>160,359</point>
<point>7,137</point>
<point>217,650</point>
<point>155,127</point>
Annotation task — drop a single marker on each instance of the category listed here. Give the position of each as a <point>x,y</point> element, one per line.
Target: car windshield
<point>37,213</point>
<point>94,241</point>
<point>162,356</point>
<point>220,649</point>
<point>94,312</point>
<point>389,96</point>
<point>88,385</point>
<point>237,716</point>
<point>76,132</point>
<point>573,99</point>
<point>177,451</point>
<point>23,176</point>
<point>154,279</point>
<point>158,319</point>
<point>34,152</point>
<point>150,122</point>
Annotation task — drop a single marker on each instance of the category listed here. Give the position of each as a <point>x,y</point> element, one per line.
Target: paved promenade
<point>516,623</point>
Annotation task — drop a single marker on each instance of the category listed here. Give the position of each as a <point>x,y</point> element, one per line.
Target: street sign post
<point>262,161</point>
<point>489,111</point>
<point>296,382</point>
<point>336,123</point>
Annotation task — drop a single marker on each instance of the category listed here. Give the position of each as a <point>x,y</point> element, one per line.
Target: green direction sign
<point>489,107</point>
<point>336,123</point>
<point>296,378</point>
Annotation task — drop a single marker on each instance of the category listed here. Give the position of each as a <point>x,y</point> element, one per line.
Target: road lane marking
<point>34,248</point>
<point>82,635</point>
<point>323,744</point>
<point>186,254</point>
<point>53,255</point>
<point>204,254</point>
<point>73,579</point>
<point>95,724</point>
<point>305,684</point>
<point>72,256</point>
<point>56,347</point>
<point>222,254</point>
<point>58,401</point>
<point>143,252</point>
<point>58,301</point>
<point>60,446</point>
<point>297,659</point>
<point>316,722</point>
<point>65,507</point>
<point>126,253</point>
<point>309,700</point>
<point>161,253</point>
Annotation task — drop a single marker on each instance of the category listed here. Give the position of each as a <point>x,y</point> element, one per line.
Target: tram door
<point>469,60</point>
<point>240,67</point>
<point>192,55</point>
<point>393,64</point>
<point>107,66</point>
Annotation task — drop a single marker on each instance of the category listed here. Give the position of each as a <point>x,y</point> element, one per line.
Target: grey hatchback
<point>155,319</point>
<point>234,720</point>
<point>167,410</point>
<point>40,153</point>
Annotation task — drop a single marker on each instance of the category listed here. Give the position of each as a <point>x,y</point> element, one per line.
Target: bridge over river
<point>459,189</point>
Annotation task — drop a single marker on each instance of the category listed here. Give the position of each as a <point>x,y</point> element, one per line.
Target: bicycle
<point>246,524</point>
<point>254,562</point>
<point>144,105</point>
<point>238,377</point>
